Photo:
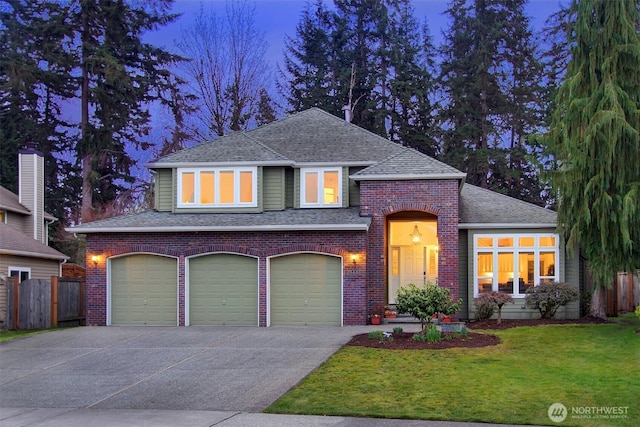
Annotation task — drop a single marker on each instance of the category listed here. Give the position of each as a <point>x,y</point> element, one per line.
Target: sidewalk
<point>47,417</point>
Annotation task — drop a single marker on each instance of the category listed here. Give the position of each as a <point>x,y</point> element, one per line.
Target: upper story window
<point>3,216</point>
<point>217,187</point>
<point>320,187</point>
<point>513,263</point>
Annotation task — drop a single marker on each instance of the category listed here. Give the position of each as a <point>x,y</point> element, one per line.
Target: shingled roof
<point>482,208</point>
<point>290,219</point>
<point>408,164</point>
<point>13,242</point>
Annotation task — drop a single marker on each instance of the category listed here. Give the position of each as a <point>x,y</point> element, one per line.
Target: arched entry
<point>412,239</point>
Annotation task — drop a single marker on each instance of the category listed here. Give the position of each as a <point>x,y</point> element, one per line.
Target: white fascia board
<point>217,164</point>
<point>506,225</point>
<point>33,254</point>
<point>407,177</point>
<point>281,227</point>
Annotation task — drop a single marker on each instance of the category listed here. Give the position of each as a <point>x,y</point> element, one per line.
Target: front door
<point>411,260</point>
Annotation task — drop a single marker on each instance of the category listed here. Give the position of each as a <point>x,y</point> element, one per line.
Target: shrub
<point>433,334</point>
<point>422,303</point>
<point>380,336</point>
<point>489,302</point>
<point>397,330</point>
<point>548,297</point>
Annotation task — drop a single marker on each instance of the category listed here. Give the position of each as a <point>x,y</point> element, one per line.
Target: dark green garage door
<point>306,289</point>
<point>223,290</point>
<point>144,290</point>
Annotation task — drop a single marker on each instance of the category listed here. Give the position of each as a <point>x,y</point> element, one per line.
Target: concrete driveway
<point>189,368</point>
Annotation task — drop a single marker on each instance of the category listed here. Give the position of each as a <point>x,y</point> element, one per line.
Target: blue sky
<point>278,18</point>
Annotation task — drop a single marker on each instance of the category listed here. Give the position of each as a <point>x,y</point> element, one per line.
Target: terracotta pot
<point>375,320</point>
<point>446,319</point>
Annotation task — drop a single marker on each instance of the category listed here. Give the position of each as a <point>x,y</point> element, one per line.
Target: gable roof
<point>13,242</point>
<point>408,164</point>
<point>482,208</point>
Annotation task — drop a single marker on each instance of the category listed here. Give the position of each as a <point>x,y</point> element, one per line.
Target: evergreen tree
<point>120,76</point>
<point>34,83</point>
<point>266,112</point>
<point>595,140</point>
<point>491,76</point>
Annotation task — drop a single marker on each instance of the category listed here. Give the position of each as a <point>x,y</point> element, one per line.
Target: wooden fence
<point>38,303</point>
<point>624,296</point>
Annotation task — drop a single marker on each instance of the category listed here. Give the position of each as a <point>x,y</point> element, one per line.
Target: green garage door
<point>306,289</point>
<point>223,290</point>
<point>144,290</point>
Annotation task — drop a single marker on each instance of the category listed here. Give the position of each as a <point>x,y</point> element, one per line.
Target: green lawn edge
<point>515,382</point>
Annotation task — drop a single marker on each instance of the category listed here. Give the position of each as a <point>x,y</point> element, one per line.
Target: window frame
<point>516,249</point>
<point>237,196</point>
<point>20,271</point>
<point>320,194</point>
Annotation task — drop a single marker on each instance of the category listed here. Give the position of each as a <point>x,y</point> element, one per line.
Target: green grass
<point>11,334</point>
<point>514,382</point>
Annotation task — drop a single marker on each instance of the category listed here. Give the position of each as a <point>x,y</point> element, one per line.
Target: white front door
<point>408,264</point>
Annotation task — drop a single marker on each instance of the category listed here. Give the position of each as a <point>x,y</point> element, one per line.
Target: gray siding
<point>354,188</point>
<point>164,190</point>
<point>568,273</point>
<point>273,188</point>
<point>289,188</point>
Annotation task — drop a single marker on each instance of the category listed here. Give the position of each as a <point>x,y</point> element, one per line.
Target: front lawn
<point>593,370</point>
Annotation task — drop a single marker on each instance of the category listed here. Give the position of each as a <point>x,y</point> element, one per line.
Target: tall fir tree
<point>490,77</point>
<point>120,75</point>
<point>595,140</point>
<point>35,83</point>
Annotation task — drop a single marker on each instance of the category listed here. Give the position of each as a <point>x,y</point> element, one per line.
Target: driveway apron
<point>190,368</point>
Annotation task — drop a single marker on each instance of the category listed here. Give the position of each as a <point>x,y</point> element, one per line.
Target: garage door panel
<point>306,289</point>
<point>223,290</point>
<point>144,290</point>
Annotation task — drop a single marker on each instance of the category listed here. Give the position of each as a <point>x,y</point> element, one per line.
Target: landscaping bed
<point>405,341</point>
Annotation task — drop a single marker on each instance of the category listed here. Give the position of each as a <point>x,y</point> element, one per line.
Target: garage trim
<point>305,252</point>
<point>187,291</point>
<point>108,265</point>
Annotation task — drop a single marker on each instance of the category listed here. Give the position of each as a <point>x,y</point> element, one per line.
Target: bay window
<point>513,263</point>
<point>320,187</point>
<point>217,187</point>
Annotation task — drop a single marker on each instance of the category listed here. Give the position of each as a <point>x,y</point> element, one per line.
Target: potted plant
<point>377,314</point>
<point>390,314</point>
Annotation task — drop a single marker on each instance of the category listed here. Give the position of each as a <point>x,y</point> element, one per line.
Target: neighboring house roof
<point>10,201</point>
<point>290,219</point>
<point>13,242</point>
<point>408,164</point>
<point>482,208</point>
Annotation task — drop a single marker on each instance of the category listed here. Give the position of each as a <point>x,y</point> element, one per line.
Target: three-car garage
<point>223,289</point>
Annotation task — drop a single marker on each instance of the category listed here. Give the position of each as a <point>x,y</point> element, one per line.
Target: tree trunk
<point>597,308</point>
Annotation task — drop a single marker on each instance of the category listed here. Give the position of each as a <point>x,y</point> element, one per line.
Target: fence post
<point>16,302</point>
<point>54,301</point>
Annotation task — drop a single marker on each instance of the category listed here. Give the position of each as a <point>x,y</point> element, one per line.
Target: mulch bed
<point>404,340</point>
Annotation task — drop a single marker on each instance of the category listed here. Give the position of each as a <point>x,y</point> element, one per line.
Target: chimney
<point>31,189</point>
<point>347,113</point>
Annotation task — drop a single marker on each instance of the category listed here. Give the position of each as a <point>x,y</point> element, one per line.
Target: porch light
<point>416,236</point>
<point>354,258</point>
<point>94,260</point>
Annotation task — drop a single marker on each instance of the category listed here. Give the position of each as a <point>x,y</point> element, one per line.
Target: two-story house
<point>24,250</point>
<point>311,220</point>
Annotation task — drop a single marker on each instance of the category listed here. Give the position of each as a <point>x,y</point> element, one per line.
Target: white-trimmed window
<point>24,273</point>
<point>511,263</point>
<point>320,187</point>
<point>217,187</point>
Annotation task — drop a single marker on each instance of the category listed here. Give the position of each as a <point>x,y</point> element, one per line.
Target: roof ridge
<point>265,146</point>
